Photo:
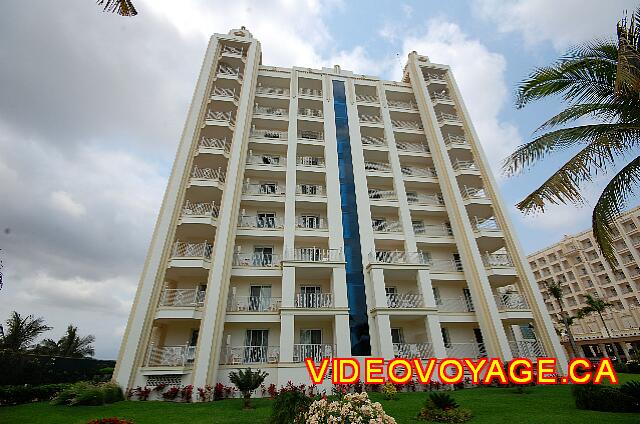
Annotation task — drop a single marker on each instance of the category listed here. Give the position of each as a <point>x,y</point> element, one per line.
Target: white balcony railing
<point>266,222</point>
<point>271,111</point>
<point>236,355</point>
<point>229,71</point>
<point>373,119</point>
<point>310,190</point>
<point>387,226</point>
<point>414,171</point>
<point>485,224</point>
<point>375,194</point>
<point>398,104</point>
<point>432,230</point>
<point>445,265</point>
<point>450,139</point>
<point>191,250</point>
<point>170,356</point>
<point>311,135</point>
<point>233,51</point>
<point>221,116</point>
<point>263,189</point>
<point>314,161</point>
<point>413,350</point>
<point>441,96</point>
<point>253,304</point>
<point>448,118</point>
<point>214,143</point>
<point>266,160</point>
<point>408,125</point>
<point>372,141</point>
<point>208,174</point>
<point>182,297</point>
<point>424,199</point>
<point>398,257</point>
<point>270,134</point>
<point>465,350</point>
<point>256,260</point>
<point>200,209</point>
<point>314,351</point>
<point>361,98</point>
<point>465,165</point>
<point>497,260</point>
<point>310,92</point>
<point>406,146</point>
<point>430,77</point>
<point>314,254</point>
<point>310,113</point>
<point>474,193</point>
<point>527,349</point>
<point>314,300</point>
<point>311,223</point>
<point>508,301</point>
<point>377,167</point>
<point>224,92</point>
<point>404,300</point>
<point>274,91</point>
<point>454,304</point>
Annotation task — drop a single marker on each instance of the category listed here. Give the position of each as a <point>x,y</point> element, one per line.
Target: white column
<point>339,287</point>
<point>432,324</point>
<point>342,335</point>
<point>288,286</point>
<point>383,328</point>
<point>287,336</point>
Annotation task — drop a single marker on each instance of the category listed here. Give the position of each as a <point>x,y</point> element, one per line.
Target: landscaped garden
<point>541,404</point>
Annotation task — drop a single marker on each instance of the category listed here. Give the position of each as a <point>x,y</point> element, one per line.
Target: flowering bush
<point>110,420</point>
<point>352,408</point>
<point>172,393</point>
<point>389,391</point>
<point>442,408</point>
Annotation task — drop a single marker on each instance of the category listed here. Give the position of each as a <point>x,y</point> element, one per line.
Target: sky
<point>92,106</point>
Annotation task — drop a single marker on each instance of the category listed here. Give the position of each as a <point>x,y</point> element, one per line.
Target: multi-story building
<point>578,266</point>
<point>320,213</point>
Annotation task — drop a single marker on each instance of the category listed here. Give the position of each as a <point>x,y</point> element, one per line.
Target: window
<point>310,337</point>
<point>310,221</point>
<point>259,298</point>
<point>397,337</point>
<point>309,189</point>
<point>391,290</point>
<point>527,332</point>
<point>262,255</point>
<point>255,346</point>
<point>445,337</point>
<point>266,220</point>
<point>309,297</point>
<point>268,188</point>
<point>467,299</point>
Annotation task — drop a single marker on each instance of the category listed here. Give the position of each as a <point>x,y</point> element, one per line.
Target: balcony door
<point>311,344</point>
<point>310,221</point>
<point>256,343</point>
<point>262,255</point>
<point>259,298</point>
<point>268,188</point>
<point>467,299</point>
<point>310,297</point>
<point>266,220</point>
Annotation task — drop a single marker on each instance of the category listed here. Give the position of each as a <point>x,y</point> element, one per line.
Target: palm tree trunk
<point>247,400</point>
<point>577,352</point>
<point>615,349</point>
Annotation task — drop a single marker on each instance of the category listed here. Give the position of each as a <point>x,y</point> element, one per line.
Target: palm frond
<point>121,7</point>
<point>611,204</point>
<point>628,67</point>
<point>605,112</point>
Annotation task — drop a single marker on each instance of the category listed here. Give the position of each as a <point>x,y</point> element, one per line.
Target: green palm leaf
<point>121,7</point>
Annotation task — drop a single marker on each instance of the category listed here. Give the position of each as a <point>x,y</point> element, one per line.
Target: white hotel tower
<point>319,213</point>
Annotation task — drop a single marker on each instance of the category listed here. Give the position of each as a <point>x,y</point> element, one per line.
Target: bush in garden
<point>14,395</point>
<point>247,381</point>
<point>441,407</point>
<point>352,408</point>
<point>633,366</point>
<point>290,405</point>
<point>110,420</point>
<point>605,398</point>
<point>389,391</point>
<point>84,393</point>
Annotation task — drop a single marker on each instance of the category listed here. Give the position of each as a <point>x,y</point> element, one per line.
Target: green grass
<point>548,404</point>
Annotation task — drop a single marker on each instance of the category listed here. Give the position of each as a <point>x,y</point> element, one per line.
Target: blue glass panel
<point>358,319</point>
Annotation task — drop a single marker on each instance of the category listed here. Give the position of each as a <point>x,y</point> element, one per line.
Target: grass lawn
<point>549,404</point>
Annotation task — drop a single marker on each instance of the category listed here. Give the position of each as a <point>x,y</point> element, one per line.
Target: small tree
<point>247,381</point>
<point>599,306</point>
<point>556,291</point>
<point>21,332</point>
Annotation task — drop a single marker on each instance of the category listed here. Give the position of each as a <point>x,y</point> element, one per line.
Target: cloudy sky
<point>92,105</point>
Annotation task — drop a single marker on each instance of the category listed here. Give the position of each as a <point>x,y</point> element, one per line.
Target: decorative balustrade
<point>182,297</point>
<point>314,351</point>
<point>311,135</point>
<point>429,77</point>
<point>310,113</point>
<point>310,161</point>
<point>214,143</point>
<point>310,190</point>
<point>386,226</point>
<point>236,355</point>
<point>270,134</point>
<point>454,304</point>
<point>508,301</point>
<point>314,300</point>
<point>474,193</point>
<point>224,92</point>
<point>448,118</point>
<point>414,171</point>
<point>208,174</point>
<point>497,260</point>
<point>408,125</point>
<point>527,349</point>
<point>432,230</point>
<point>230,71</point>
<point>263,189</point>
<point>191,250</point>
<point>253,304</point>
<point>256,260</point>
<point>389,195</point>
<point>465,350</point>
<point>413,350</point>
<point>485,224</point>
<point>412,147</point>
<point>377,167</point>
<point>398,104</point>
<point>311,223</point>
<point>445,265</point>
<point>310,92</point>
<point>366,99</point>
<point>465,165</point>
<point>398,257</point>
<point>441,96</point>
<point>274,91</point>
<point>268,222</point>
<point>404,300</point>
<point>201,209</point>
<point>372,141</point>
<point>170,356</point>
<point>234,51</point>
<point>271,111</point>
<point>221,116</point>
<point>372,119</point>
<point>267,160</point>
<point>450,139</point>
<point>314,254</point>
<point>425,199</point>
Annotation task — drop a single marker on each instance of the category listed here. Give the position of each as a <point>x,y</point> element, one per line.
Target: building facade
<point>320,213</point>
<point>578,266</point>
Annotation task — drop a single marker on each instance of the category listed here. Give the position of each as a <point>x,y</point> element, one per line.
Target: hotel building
<point>321,213</point>
<point>578,266</point>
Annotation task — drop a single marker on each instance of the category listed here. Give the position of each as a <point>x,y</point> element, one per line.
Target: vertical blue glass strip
<point>358,319</point>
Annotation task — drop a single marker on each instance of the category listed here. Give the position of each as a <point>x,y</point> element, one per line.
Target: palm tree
<point>121,7</point>
<point>556,291</point>
<point>599,81</point>
<point>71,345</point>
<point>598,306</point>
<point>247,381</point>
<point>21,332</point>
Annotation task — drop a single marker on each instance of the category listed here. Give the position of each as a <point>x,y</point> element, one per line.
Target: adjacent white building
<point>318,213</point>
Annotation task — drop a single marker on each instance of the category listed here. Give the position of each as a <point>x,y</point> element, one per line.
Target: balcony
<point>465,350</point>
<point>224,94</point>
<point>273,112</point>
<point>170,356</point>
<point>441,97</point>
<point>200,210</point>
<point>232,51</point>
<point>432,230</point>
<point>207,176</point>
<point>220,118</point>
<point>398,257</point>
<point>268,134</point>
<point>311,223</point>
<point>312,190</point>
<point>527,349</point>
<point>229,72</point>
<point>253,304</point>
<point>370,119</point>
<point>472,193</point>
<point>414,171</point>
<point>310,161</point>
<point>311,136</point>
<point>407,147</point>
<point>263,189</point>
<point>360,98</point>
<point>377,167</point>
<point>406,125</point>
<point>511,301</point>
<point>497,260</point>
<point>314,254</point>
<point>448,119</point>
<point>413,350</point>
<point>314,351</point>
<point>192,250</point>
<point>435,78</point>
<point>465,166</point>
<point>445,265</point>
<point>256,260</point>
<point>266,160</point>
<point>314,300</point>
<point>386,226</point>
<point>260,222</point>
<point>310,92</point>
<point>382,195</point>
<point>272,91</point>
<point>310,113</point>
<point>373,141</point>
<point>398,104</point>
<point>404,300</point>
<point>455,304</point>
<point>237,355</point>
<point>176,298</point>
<point>425,199</point>
<point>213,145</point>
<point>451,140</point>
<point>485,224</point>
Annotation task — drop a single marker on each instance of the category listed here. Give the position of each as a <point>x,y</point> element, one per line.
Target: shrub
<point>632,389</point>
<point>247,381</point>
<point>633,367</point>
<point>441,407</point>
<point>14,395</point>
<point>112,393</point>
<point>603,398</point>
<point>352,408</point>
<point>84,393</point>
<point>389,391</point>
<point>289,406</point>
<point>110,420</point>
<point>443,401</point>
<point>172,393</point>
